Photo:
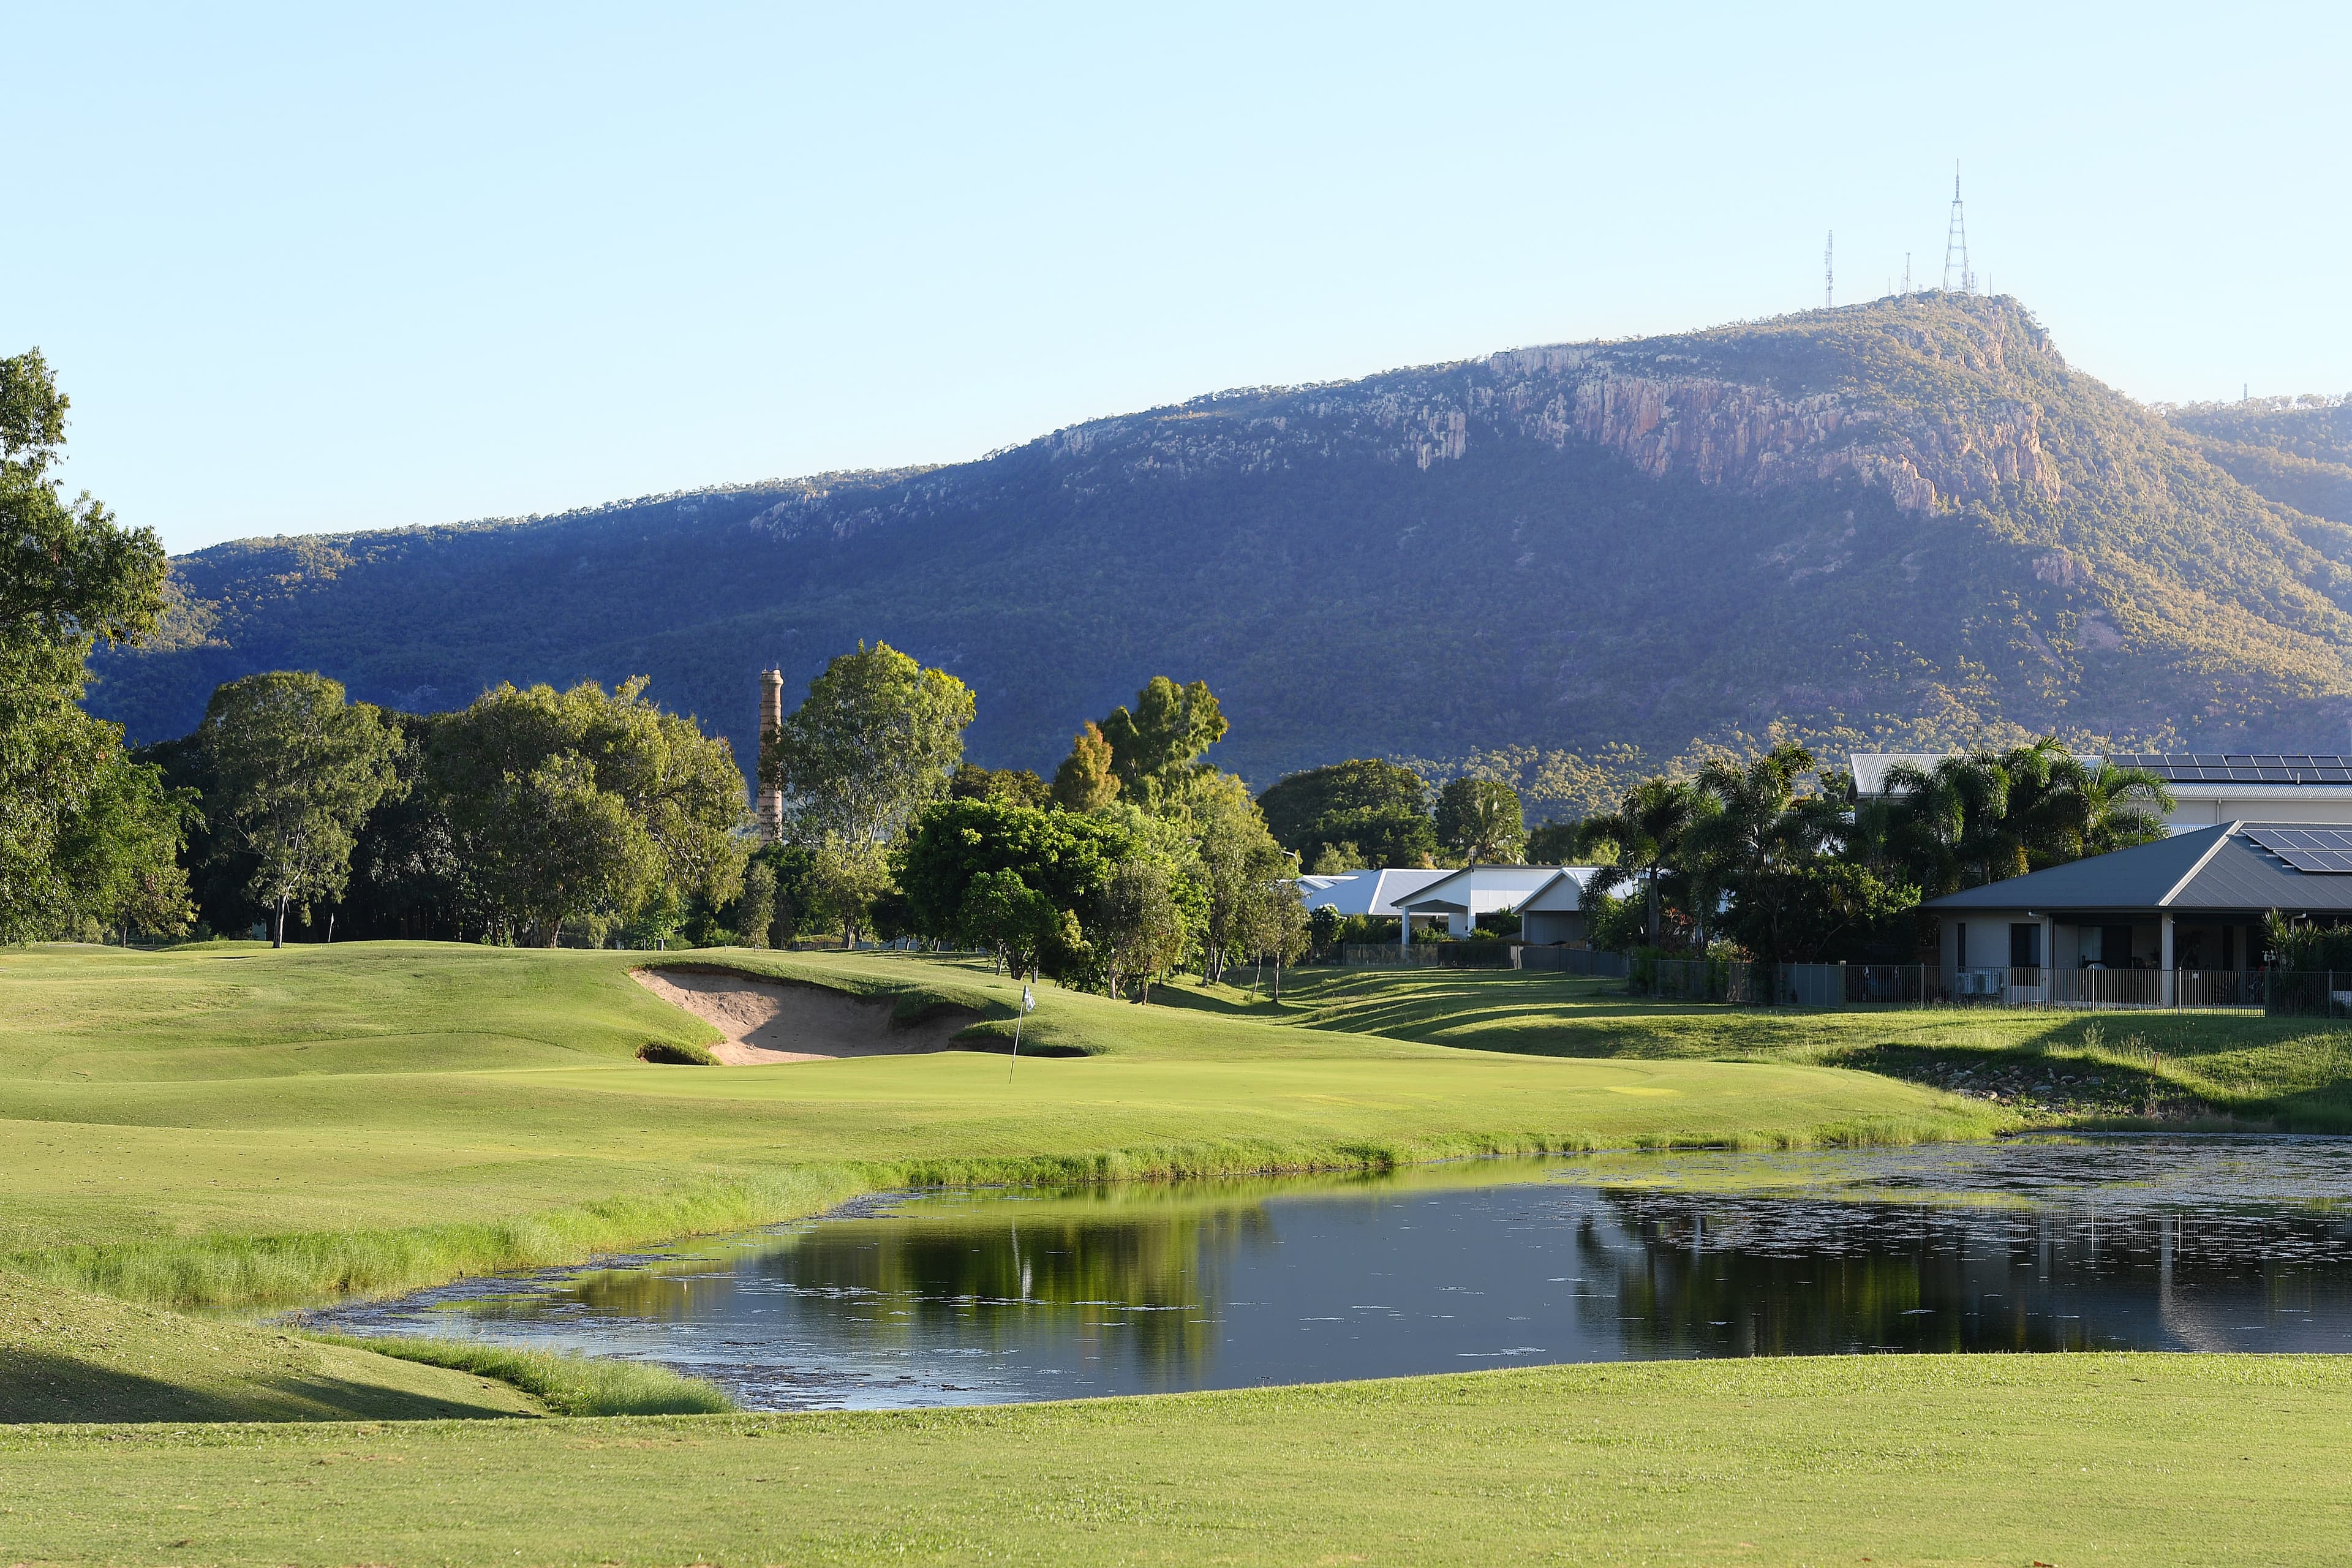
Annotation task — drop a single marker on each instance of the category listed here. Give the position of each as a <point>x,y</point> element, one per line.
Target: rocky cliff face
<point>1900,525</point>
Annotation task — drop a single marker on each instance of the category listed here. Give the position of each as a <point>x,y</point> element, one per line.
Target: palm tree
<point>1647,829</point>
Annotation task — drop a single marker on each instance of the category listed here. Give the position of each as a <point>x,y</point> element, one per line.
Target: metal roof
<point>2220,869</point>
<point>1369,893</point>
<point>1480,889</point>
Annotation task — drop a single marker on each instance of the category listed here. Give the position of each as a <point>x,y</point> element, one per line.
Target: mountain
<point>1901,525</point>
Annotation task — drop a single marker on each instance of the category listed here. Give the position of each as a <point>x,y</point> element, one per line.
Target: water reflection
<point>982,1297</point>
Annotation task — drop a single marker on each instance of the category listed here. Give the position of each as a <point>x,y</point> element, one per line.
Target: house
<point>1461,897</point>
<point>2208,787</point>
<point>2196,900</point>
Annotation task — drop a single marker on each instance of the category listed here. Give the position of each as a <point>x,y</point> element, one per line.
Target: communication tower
<point>1829,277</point>
<point>1956,243</point>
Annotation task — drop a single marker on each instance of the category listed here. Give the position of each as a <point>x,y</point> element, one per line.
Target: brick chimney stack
<point>772,721</point>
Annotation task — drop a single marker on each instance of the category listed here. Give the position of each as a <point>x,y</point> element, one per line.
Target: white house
<point>1461,897</point>
<point>2208,787</point>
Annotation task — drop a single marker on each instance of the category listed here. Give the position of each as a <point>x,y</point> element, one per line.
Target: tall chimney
<point>772,721</point>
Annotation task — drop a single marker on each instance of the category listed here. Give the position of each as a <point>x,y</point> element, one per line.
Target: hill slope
<point>1904,523</point>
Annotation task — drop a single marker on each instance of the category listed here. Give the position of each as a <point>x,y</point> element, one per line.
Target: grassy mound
<point>68,1356</point>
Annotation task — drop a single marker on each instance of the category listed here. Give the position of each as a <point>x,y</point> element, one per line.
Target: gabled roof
<point>1368,892</point>
<point>1480,889</point>
<point>2218,869</point>
<point>1563,893</point>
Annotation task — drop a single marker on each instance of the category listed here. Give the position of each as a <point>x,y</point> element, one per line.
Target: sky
<point>313,268</point>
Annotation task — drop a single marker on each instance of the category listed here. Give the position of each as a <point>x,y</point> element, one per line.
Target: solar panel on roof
<point>2205,767</point>
<point>2324,850</point>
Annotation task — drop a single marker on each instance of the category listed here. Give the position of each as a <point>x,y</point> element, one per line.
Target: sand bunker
<point>768,1021</point>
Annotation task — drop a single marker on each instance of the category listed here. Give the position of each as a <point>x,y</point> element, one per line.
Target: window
<point>2025,945</point>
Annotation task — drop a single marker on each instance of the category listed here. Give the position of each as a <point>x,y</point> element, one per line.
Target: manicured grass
<point>229,1125</point>
<point>1889,1459</point>
<point>2112,1069</point>
<point>68,1356</point>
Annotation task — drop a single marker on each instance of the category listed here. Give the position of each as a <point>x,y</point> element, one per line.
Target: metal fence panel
<point>1571,961</point>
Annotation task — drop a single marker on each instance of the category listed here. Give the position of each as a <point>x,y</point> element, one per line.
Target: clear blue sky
<point>318,268</point>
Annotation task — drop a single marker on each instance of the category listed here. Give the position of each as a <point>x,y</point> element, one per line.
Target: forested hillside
<point>1902,524</point>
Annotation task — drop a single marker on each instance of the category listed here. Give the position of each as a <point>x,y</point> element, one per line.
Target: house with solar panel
<point>2173,921</point>
<point>2208,787</point>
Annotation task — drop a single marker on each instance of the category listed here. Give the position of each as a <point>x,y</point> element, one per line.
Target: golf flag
<point>1028,1006</point>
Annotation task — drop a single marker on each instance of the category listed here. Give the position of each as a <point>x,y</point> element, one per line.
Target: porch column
<point>1404,927</point>
<point>2167,960</point>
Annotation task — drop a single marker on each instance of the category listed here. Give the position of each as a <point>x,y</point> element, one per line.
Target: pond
<point>980,1297</point>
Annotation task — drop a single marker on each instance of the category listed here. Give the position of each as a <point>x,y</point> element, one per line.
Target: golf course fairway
<point>231,1126</point>
<point>235,1128</point>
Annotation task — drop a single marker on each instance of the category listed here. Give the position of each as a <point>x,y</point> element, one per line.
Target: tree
<point>1154,745</point>
<point>1554,843</point>
<point>297,769</point>
<point>1240,865</point>
<point>588,807</point>
<point>1276,926</point>
<point>119,854</point>
<point>1647,830</point>
<point>1064,856</point>
<point>1013,787</point>
<point>848,877</point>
<point>1003,914</point>
<point>68,576</point>
<point>755,907</point>
<point>1379,807</point>
<point>1143,927</point>
<point>1085,781</point>
<point>1481,818</point>
<point>873,742</point>
<point>1810,911</point>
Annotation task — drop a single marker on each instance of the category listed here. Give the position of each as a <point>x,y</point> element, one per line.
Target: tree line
<point>1136,860</point>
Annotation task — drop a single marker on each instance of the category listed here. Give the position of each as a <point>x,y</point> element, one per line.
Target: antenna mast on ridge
<point>1829,277</point>
<point>1956,242</point>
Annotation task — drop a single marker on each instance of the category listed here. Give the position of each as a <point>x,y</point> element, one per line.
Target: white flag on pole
<point>1028,1000</point>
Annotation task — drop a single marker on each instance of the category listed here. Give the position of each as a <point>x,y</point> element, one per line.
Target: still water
<point>972,1298</point>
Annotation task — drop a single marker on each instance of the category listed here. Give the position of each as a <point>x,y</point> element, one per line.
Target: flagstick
<point>1015,1060</point>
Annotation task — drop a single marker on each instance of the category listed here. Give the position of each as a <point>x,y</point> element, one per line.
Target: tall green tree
<point>1143,931</point>
<point>1066,857</point>
<point>1241,868</point>
<point>1086,780</point>
<point>1157,744</point>
<point>119,855</point>
<point>586,806</point>
<point>876,738</point>
<point>1481,820</point>
<point>70,575</point>
<point>1378,808</point>
<point>297,769</point>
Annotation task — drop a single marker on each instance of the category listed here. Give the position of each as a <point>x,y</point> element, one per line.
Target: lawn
<point>1885,1460</point>
<point>232,1125</point>
<point>2111,1070</point>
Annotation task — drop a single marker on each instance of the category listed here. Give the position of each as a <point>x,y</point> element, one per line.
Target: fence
<point>1920,985</point>
<point>1427,955</point>
<point>1571,961</point>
